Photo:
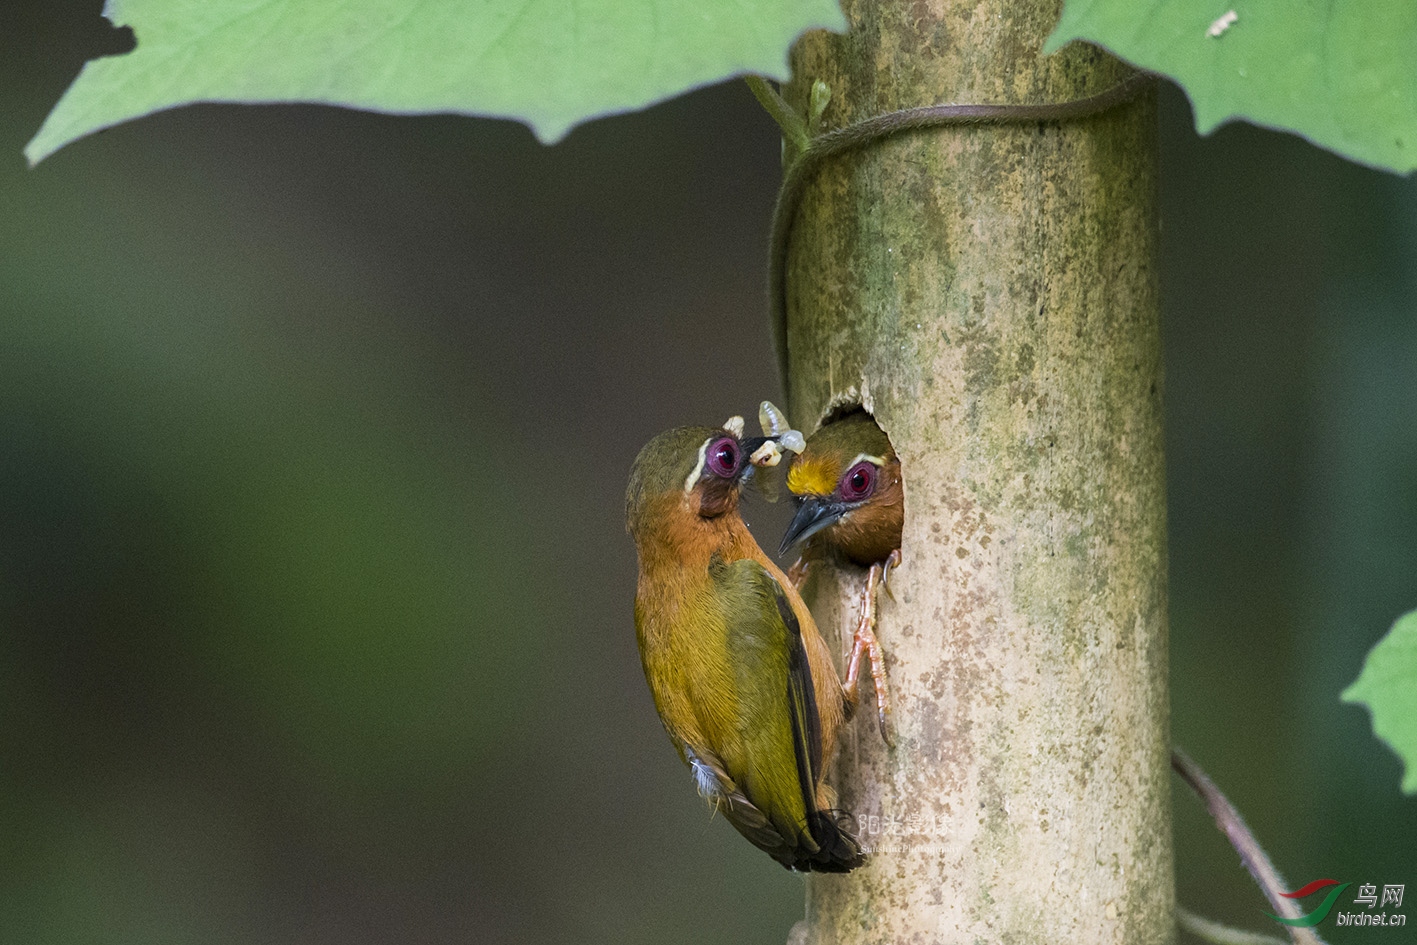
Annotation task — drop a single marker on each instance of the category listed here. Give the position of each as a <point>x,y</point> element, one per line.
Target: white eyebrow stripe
<point>699,467</point>
<point>874,460</point>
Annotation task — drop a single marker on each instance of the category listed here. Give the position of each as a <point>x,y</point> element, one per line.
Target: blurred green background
<point>315,597</point>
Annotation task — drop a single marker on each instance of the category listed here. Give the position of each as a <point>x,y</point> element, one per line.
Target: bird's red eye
<point>858,482</point>
<point>722,457</point>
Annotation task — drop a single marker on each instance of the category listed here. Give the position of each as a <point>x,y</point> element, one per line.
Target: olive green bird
<point>850,507</point>
<point>743,682</point>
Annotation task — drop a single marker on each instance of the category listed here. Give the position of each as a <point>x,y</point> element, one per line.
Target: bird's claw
<point>891,563</point>
<point>798,573</point>
<point>864,643</point>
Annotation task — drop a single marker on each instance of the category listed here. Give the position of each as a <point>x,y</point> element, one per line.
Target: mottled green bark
<point>990,292</point>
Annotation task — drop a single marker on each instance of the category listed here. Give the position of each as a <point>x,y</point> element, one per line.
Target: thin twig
<point>1212,931</point>
<point>1228,819</point>
<point>794,128</point>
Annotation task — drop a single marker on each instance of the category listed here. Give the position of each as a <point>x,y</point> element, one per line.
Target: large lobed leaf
<point>1388,686</point>
<point>549,63</point>
<point>1343,75</point>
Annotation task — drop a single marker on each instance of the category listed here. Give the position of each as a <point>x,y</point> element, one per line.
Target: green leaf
<point>1388,687</point>
<point>549,63</point>
<point>1343,75</point>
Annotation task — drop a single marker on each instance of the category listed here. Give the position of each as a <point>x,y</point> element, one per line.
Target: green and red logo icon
<point>1320,913</point>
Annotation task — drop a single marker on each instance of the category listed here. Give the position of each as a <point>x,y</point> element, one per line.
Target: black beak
<point>750,444</point>
<point>813,515</point>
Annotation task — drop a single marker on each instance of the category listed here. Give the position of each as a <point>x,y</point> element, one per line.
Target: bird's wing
<point>773,755</point>
<point>715,783</point>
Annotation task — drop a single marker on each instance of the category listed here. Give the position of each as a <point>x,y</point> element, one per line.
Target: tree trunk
<point>989,292</point>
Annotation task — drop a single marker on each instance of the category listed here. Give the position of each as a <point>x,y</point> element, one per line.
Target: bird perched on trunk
<point>850,505</point>
<point>743,682</point>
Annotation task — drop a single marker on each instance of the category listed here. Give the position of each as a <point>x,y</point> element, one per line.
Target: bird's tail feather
<point>838,850</point>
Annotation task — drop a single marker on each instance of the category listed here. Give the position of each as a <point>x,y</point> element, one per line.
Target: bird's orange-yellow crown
<point>813,475</point>
<point>835,448</point>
